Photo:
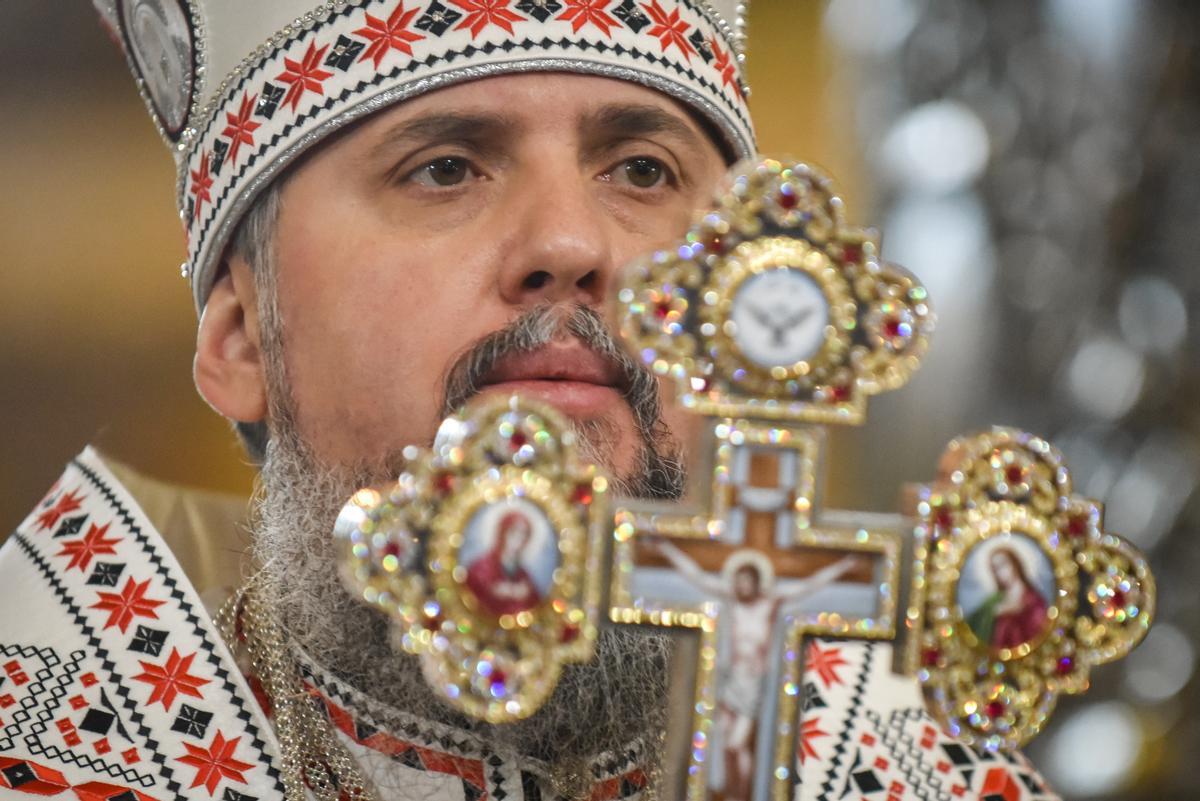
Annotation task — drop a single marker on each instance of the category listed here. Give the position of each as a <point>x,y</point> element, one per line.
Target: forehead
<point>554,102</point>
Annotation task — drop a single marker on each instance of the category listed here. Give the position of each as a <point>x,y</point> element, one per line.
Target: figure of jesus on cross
<point>746,586</point>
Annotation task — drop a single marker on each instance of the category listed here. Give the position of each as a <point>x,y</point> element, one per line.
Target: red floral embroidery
<point>201,184</point>
<point>810,730</point>
<point>305,75</point>
<point>824,662</point>
<point>124,606</point>
<point>241,128</point>
<point>171,679</point>
<point>94,543</point>
<point>68,503</point>
<point>390,35</point>
<point>215,762</point>
<point>724,64</point>
<point>482,13</point>
<point>581,12</point>
<point>669,28</point>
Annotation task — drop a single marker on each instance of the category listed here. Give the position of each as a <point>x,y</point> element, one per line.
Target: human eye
<point>442,172</point>
<point>642,173</point>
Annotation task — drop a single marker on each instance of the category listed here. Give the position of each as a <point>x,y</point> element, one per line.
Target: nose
<point>561,248</point>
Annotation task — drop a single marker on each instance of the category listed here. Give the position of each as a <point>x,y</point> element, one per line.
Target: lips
<point>575,379</point>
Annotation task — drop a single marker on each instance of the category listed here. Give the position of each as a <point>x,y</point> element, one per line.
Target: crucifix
<point>775,318</point>
<point>755,579</point>
<point>498,558</point>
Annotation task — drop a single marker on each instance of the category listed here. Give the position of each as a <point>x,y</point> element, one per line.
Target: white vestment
<point>114,684</point>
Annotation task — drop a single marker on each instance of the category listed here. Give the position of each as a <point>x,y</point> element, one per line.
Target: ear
<point>228,368</point>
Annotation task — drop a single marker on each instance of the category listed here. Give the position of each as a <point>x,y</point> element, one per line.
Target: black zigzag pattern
<point>198,628</point>
<point>910,757</point>
<point>109,667</point>
<point>50,660</point>
<point>852,712</point>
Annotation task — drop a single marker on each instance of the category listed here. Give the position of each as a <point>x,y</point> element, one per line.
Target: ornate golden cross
<point>496,555</point>
<point>774,318</point>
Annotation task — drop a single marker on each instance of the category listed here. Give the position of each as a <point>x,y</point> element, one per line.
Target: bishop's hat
<point>240,88</point>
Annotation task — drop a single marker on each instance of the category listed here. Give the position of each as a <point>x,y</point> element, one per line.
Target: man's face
<point>433,224</point>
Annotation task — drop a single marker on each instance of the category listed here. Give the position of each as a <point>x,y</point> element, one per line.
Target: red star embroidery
<point>810,730</point>
<point>124,606</point>
<point>390,35</point>
<point>241,128</point>
<point>482,13</point>
<point>171,679</point>
<point>669,28</point>
<point>724,64</point>
<point>201,184</point>
<point>92,544</point>
<point>303,76</point>
<point>66,504</point>
<point>215,762</point>
<point>825,663</point>
<point>581,12</point>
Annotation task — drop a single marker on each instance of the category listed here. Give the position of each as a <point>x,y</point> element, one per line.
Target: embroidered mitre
<point>240,89</point>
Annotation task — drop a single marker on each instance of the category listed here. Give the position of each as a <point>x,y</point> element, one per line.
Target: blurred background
<point>1036,163</point>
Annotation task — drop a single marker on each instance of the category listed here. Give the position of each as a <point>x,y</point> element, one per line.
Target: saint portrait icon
<point>509,555</point>
<point>1006,590</point>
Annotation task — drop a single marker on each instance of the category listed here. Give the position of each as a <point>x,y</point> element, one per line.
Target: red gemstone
<point>391,549</point>
<point>1077,525</point>
<point>1065,665</point>
<point>892,327</point>
<point>714,244</point>
<point>498,677</point>
<point>1119,599</point>
<point>943,518</point>
<point>662,309</point>
<point>570,633</point>
<point>433,623</point>
<point>852,254</point>
<point>930,657</point>
<point>582,494</point>
<point>840,393</point>
<point>788,200</point>
<point>444,483</point>
<point>518,440</point>
<point>1014,474</point>
<point>994,709</point>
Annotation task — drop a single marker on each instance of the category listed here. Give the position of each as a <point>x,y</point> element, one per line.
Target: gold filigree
<point>675,307</point>
<point>1050,594</point>
<point>492,644</point>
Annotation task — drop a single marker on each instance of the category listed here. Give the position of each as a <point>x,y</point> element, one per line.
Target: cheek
<point>371,324</point>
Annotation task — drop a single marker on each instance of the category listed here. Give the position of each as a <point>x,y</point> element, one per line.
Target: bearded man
<point>392,206</point>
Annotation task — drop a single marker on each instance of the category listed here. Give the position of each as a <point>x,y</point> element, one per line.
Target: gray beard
<point>598,707</point>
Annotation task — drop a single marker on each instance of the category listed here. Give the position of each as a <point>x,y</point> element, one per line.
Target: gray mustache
<point>537,328</point>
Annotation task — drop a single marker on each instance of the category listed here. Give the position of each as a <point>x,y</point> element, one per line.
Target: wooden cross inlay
<point>754,572</point>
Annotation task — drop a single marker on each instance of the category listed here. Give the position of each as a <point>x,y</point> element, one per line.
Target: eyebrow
<point>485,131</point>
<point>599,129</point>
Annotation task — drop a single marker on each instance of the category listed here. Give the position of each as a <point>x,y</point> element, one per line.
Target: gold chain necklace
<point>312,757</point>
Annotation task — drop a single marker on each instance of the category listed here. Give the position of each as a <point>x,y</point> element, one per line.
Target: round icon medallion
<point>158,34</point>
<point>1006,591</point>
<point>780,316</point>
<point>509,554</point>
